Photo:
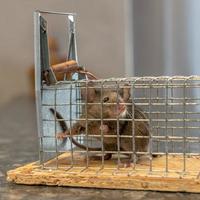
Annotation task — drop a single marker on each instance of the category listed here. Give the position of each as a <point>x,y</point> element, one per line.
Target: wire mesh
<point>160,118</point>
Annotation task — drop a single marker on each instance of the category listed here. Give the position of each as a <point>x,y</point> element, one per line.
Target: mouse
<point>114,106</point>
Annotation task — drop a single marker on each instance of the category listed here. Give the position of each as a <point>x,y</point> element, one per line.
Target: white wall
<point>167,37</point>
<point>100,38</point>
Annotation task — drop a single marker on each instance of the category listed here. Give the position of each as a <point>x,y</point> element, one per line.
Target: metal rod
<point>102,134</point>
<point>86,114</point>
<point>150,131</point>
<point>118,134</point>
<point>54,13</point>
<point>70,116</point>
<point>184,130</point>
<point>38,92</point>
<point>133,127</point>
<point>166,124</point>
<point>55,128</point>
<point>157,116</point>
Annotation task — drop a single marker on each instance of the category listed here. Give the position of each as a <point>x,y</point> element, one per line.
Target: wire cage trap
<point>127,133</point>
<point>165,127</point>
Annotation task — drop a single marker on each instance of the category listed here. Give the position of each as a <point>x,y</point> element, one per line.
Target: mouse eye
<point>105,99</point>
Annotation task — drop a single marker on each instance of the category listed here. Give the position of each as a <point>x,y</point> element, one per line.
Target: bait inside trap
<point>125,133</point>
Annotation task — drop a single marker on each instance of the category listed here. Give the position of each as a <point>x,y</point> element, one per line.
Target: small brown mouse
<point>113,107</point>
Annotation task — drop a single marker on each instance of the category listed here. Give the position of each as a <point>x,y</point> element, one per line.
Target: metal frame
<point>42,60</point>
<point>172,105</point>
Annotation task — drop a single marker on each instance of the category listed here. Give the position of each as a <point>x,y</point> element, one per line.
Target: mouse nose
<point>121,106</point>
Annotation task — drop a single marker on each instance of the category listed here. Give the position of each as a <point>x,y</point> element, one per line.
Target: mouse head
<point>107,100</point>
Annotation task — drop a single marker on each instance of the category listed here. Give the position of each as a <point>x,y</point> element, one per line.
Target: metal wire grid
<point>171,103</point>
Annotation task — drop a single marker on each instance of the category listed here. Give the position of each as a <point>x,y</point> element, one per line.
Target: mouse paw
<point>61,136</point>
<point>104,128</point>
<point>126,164</point>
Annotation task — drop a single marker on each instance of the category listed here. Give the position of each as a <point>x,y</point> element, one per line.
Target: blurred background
<point>100,37</point>
<point>115,38</point>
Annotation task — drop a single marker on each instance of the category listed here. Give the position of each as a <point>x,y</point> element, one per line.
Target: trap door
<point>52,94</point>
<point>46,70</point>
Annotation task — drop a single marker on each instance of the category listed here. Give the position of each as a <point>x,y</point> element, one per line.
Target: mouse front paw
<point>62,135</point>
<point>104,128</point>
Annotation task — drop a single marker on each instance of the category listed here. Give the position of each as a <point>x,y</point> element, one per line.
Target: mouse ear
<point>88,94</point>
<point>126,92</point>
